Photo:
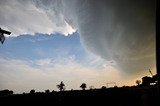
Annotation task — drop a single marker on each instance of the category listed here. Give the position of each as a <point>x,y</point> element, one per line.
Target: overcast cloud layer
<point>119,30</point>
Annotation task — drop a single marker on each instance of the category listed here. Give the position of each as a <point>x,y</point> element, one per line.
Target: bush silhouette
<point>47,91</point>
<point>103,87</point>
<point>32,91</point>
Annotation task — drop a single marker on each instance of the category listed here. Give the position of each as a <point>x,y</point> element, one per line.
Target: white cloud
<point>44,62</point>
<point>22,17</point>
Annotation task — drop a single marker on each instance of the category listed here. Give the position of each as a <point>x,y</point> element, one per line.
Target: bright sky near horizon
<point>87,41</point>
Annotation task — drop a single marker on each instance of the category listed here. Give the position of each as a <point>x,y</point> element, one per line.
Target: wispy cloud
<point>22,75</point>
<point>41,74</point>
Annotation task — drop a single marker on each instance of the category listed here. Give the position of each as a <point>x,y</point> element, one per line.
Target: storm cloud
<point>119,30</point>
<point>122,31</point>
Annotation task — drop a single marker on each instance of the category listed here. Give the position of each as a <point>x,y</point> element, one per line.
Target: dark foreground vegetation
<point>123,96</point>
<point>144,94</point>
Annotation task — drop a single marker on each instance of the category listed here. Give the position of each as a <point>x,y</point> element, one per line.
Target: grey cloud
<point>52,9</point>
<point>120,30</point>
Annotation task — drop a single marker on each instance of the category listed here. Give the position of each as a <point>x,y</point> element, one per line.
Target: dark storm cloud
<point>119,30</point>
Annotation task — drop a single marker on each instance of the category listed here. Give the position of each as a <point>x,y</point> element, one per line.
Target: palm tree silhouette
<point>61,86</point>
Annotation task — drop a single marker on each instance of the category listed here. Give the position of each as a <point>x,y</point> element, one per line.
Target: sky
<point>76,41</point>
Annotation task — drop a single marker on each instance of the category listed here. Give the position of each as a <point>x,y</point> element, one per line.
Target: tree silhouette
<point>83,86</point>
<point>138,82</point>
<point>6,92</point>
<point>103,87</point>
<point>32,91</point>
<point>61,86</point>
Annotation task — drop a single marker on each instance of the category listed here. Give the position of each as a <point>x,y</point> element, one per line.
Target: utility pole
<point>151,72</point>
